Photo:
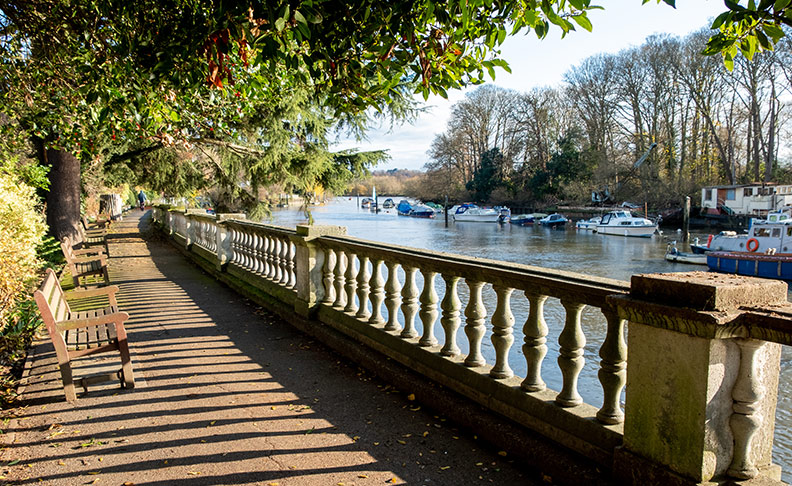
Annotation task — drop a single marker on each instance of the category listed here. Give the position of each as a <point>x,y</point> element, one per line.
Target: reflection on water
<point>564,249</point>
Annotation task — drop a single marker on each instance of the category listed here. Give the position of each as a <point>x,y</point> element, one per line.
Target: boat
<point>623,223</point>
<point>422,211</point>
<point>588,224</point>
<point>674,255</point>
<point>772,233</point>
<point>554,220</point>
<point>526,219</point>
<point>752,264</point>
<point>366,202</point>
<point>404,207</point>
<point>388,204</point>
<point>478,215</point>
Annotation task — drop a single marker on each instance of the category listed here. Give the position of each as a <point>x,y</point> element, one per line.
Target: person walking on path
<point>142,200</point>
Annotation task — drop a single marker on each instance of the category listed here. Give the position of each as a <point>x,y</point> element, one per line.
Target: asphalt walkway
<point>227,393</point>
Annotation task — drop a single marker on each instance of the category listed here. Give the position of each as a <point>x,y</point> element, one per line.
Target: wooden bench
<point>93,236</point>
<point>84,262</point>
<point>86,332</point>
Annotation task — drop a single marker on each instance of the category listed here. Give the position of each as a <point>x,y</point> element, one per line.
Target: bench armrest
<point>116,318</point>
<point>81,294</point>
<point>101,258</point>
<point>89,251</point>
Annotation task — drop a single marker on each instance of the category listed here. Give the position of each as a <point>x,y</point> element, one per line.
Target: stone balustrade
<point>701,382</point>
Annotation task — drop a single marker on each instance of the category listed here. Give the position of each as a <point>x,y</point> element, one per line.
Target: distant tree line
<point>548,145</point>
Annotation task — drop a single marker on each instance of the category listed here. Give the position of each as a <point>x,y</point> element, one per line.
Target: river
<point>565,249</point>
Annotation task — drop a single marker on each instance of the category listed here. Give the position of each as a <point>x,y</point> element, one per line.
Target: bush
<point>22,230</point>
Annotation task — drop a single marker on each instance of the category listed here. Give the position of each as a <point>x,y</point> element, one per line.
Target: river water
<point>564,249</point>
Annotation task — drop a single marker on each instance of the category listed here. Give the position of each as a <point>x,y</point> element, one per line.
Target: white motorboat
<point>623,223</point>
<point>674,255</point>
<point>771,233</point>
<point>588,224</point>
<point>479,215</point>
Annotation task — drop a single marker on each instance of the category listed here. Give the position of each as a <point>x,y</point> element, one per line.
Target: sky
<point>536,63</point>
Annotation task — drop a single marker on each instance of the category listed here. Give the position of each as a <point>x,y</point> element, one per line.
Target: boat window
<point>789,231</point>
<point>762,232</point>
<point>605,219</point>
<point>776,232</point>
<point>748,191</point>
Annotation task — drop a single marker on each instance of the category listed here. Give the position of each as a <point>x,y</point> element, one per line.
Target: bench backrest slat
<point>51,302</point>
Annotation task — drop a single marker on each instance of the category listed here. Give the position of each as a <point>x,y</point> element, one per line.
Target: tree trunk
<point>63,198</point>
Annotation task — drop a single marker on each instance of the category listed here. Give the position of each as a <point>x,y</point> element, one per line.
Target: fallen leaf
<point>94,472</point>
<point>502,453</point>
<point>411,397</point>
<point>401,442</point>
<point>193,473</point>
<point>426,433</point>
<point>61,463</point>
<point>129,483</point>
<point>443,468</point>
<point>362,476</point>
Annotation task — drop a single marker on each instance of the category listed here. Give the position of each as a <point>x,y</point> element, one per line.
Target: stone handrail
<point>703,368</point>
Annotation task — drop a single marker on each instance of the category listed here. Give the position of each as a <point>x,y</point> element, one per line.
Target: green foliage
<point>21,231</point>
<point>15,338</point>
<point>746,30</point>
<point>486,179</point>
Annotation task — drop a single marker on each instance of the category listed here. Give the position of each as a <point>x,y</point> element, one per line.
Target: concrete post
<point>701,397</point>
<point>190,227</point>
<point>308,266</point>
<point>224,251</point>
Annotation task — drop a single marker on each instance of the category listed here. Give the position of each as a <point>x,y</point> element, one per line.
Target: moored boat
<point>422,211</point>
<point>751,264</point>
<point>674,255</point>
<point>388,204</point>
<point>526,219</point>
<point>623,223</point>
<point>774,233</point>
<point>554,220</point>
<point>477,215</point>
<point>588,224</point>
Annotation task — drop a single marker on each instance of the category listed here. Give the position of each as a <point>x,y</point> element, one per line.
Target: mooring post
<point>686,220</point>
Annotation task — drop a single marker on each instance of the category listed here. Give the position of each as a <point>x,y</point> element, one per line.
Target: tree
<point>84,76</point>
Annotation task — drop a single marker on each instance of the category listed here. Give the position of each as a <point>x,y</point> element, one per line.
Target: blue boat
<point>777,266</point>
<point>404,207</point>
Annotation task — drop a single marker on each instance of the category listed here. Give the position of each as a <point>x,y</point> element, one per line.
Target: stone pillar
<point>190,223</point>
<point>309,260</point>
<point>224,251</point>
<point>696,408</point>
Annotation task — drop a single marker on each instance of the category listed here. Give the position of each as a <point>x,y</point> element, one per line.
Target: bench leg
<point>126,362</point>
<point>68,382</point>
<point>106,276</point>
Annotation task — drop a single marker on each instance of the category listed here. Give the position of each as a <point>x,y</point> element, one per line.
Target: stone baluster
<point>327,276</point>
<point>351,283</point>
<point>450,320</point>
<point>475,313</point>
<point>613,370</point>
<point>534,347</point>
<point>377,292</point>
<point>261,254</point>
<point>276,259</point>
<point>271,253</point>
<point>570,354</point>
<point>284,261</point>
<point>255,250</point>
<point>363,288</point>
<point>245,248</point>
<point>393,297</point>
<point>290,265</point>
<point>502,333</point>
<point>233,236</point>
<point>409,305</point>
<point>746,420</point>
<point>339,280</point>
<point>428,311</point>
<point>266,259</point>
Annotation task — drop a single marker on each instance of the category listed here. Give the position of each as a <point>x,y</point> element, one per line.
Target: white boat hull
<point>636,231</point>
<point>477,218</point>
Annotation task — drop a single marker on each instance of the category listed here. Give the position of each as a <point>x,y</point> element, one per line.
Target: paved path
<point>228,394</point>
